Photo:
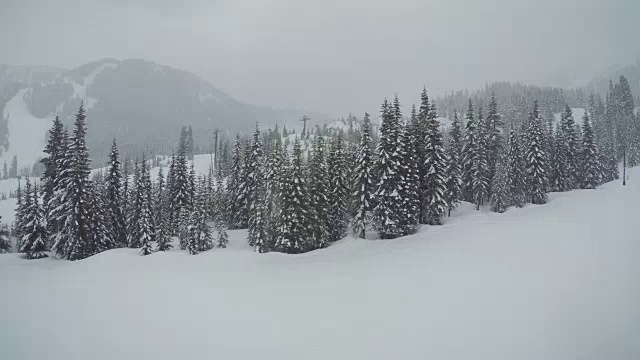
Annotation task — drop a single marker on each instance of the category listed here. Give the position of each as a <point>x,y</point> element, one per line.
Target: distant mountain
<point>141,103</point>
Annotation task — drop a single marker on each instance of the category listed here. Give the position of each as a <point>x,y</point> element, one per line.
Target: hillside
<point>557,281</point>
<point>141,103</point>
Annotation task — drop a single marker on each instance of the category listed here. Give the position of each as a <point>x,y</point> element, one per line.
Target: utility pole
<point>304,120</point>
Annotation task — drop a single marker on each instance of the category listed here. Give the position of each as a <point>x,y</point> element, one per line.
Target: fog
<point>332,56</point>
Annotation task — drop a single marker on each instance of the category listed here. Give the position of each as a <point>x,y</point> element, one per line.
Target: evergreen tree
<point>275,176</point>
<point>495,140</point>
<point>515,171</point>
<point>420,123</point>
<point>319,194</point>
<point>388,212</point>
<point>55,153</point>
<point>500,194</point>
<point>453,186</point>
<point>337,199</point>
<point>536,159</point>
<point>5,172</point>
<point>145,228</point>
<point>163,233</point>
<point>135,211</point>
<point>100,237</point>
<point>235,189</point>
<point>570,138</point>
<point>255,195</point>
<point>364,179</point>
<point>200,238</point>
<point>409,181</point>
<point>221,230</point>
<point>469,155</point>
<point>34,236</point>
<point>590,172</point>
<point>55,207</point>
<point>435,204</point>
<point>180,196</point>
<point>115,220</point>
<point>480,181</point>
<point>5,242</point>
<point>75,240</point>
<point>560,178</point>
<point>294,213</point>
<point>22,211</point>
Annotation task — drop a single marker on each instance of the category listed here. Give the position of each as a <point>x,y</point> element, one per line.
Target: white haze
<point>332,56</point>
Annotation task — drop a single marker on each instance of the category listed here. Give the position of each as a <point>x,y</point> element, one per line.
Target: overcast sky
<point>333,56</point>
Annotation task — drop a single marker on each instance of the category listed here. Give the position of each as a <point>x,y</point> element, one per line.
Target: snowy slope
<point>27,133</point>
<point>578,113</point>
<point>558,281</point>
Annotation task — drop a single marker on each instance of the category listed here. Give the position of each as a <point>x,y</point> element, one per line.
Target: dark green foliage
<point>453,176</point>
<point>536,159</point>
<point>338,193</point>
<point>591,175</point>
<point>364,179</point>
<point>388,211</point>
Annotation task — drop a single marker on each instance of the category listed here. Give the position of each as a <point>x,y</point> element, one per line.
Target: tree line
<point>303,196</point>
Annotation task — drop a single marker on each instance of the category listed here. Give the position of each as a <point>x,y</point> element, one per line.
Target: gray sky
<point>333,56</point>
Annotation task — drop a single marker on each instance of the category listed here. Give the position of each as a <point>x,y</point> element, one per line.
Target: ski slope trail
<point>558,281</point>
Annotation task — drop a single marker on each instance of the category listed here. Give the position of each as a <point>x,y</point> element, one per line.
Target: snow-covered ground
<point>578,114</point>
<point>558,281</point>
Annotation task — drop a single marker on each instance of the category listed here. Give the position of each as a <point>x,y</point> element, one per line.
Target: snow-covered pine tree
<point>469,155</point>
<point>274,176</point>
<point>294,212</point>
<point>211,198</point>
<point>181,196</point>
<point>161,214</point>
<point>568,128</point>
<point>536,159</point>
<point>435,203</point>
<point>591,175</point>
<point>74,241</point>
<point>135,210</point>
<point>221,231</point>
<point>560,177</point>
<point>200,238</point>
<point>170,192</point>
<point>101,239</point>
<point>5,241</point>
<point>388,211</point>
<point>419,123</point>
<point>22,211</point>
<point>34,236</point>
<point>409,217</point>
<point>115,220</point>
<point>481,165</point>
<point>453,193</point>
<point>338,194</point>
<point>145,228</point>
<point>495,140</point>
<point>319,194</point>
<point>192,184</point>
<point>235,188</point>
<point>500,194</point>
<point>55,150</point>
<point>255,194</point>
<point>364,186</point>
<point>515,171</point>
<point>55,215</point>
